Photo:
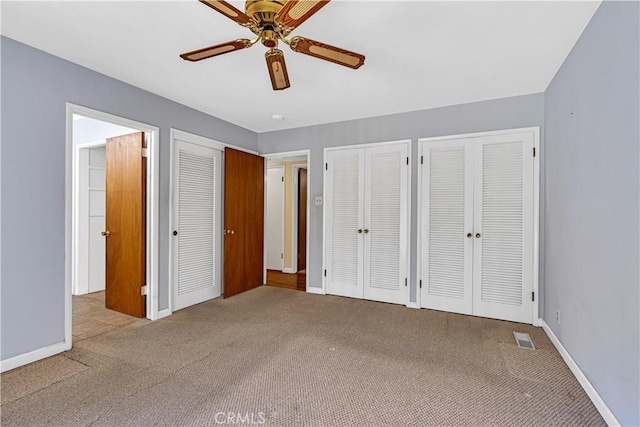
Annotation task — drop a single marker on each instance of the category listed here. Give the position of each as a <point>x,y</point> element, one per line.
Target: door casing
<point>294,248</point>
<point>152,211</point>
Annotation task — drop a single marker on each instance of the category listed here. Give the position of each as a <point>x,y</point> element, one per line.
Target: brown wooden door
<point>302,219</point>
<point>125,224</point>
<point>243,221</point>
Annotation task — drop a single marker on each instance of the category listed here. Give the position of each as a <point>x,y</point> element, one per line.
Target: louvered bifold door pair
<point>196,234</point>
<point>367,223</point>
<point>477,226</point>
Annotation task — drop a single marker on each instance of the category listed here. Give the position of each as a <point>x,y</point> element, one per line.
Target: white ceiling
<point>419,54</point>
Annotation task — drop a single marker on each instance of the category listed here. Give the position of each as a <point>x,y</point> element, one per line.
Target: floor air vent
<point>524,340</point>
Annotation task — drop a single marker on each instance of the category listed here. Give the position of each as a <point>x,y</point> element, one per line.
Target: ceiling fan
<point>271,21</point>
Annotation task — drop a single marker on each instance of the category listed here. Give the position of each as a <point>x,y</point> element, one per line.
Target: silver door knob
<point>105,233</point>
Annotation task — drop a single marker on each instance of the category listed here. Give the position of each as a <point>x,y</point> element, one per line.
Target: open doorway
<point>111,223</point>
<point>286,220</point>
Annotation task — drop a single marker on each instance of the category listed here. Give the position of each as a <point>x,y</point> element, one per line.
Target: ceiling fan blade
<point>295,12</point>
<point>228,10</point>
<point>277,69</point>
<point>219,49</point>
<point>327,52</point>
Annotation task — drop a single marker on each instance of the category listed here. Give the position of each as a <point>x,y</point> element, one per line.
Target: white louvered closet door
<point>446,221</point>
<point>196,254</point>
<point>503,227</point>
<point>385,225</point>
<point>344,204</point>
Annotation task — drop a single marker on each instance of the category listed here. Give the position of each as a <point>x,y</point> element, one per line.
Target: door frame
<point>294,194</point>
<point>535,320</point>
<point>152,210</point>
<point>284,213</point>
<point>209,143</point>
<point>285,154</point>
<point>409,143</point>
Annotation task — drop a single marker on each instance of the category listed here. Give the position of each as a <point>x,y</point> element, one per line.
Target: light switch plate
<point>318,200</point>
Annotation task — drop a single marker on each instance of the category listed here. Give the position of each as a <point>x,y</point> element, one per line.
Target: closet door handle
<point>359,230</point>
<point>366,230</point>
<point>469,235</point>
<point>477,235</point>
<point>105,233</point>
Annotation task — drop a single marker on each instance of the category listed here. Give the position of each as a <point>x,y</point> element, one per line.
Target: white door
<point>275,218</point>
<point>344,209</point>
<point>196,218</point>
<point>91,257</point>
<point>386,222</point>
<point>447,224</point>
<point>97,194</point>
<point>503,227</point>
<point>476,214</point>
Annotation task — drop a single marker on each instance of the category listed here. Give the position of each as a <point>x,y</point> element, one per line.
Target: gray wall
<point>35,88</point>
<point>592,211</point>
<point>508,113</point>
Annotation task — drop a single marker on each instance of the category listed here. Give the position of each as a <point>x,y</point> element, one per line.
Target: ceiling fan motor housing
<point>263,12</point>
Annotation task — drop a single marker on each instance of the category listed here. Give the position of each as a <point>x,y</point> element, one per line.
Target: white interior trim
<point>536,207</point>
<point>310,289</point>
<point>153,184</point>
<point>598,402</point>
<point>315,290</point>
<point>164,313</point>
<point>32,356</point>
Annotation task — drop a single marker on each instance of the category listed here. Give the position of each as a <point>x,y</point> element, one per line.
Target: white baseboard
<point>164,313</point>
<point>600,405</point>
<point>33,356</point>
<point>314,290</point>
<point>289,270</point>
<point>539,321</point>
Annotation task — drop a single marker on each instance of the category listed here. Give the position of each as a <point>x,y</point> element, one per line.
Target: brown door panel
<point>243,221</point>
<point>126,224</point>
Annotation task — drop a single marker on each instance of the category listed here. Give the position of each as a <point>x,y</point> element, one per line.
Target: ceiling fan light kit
<point>272,21</point>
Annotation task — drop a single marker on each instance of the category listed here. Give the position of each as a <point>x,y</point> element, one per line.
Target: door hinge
<point>325,273</point>
<point>407,160</point>
<point>326,166</point>
<point>533,296</point>
<point>145,152</point>
<point>421,160</point>
<point>534,151</point>
<point>143,290</point>
<point>281,256</point>
<point>405,281</point>
<point>420,284</point>
<point>283,179</point>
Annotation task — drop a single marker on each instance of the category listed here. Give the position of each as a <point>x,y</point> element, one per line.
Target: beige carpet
<point>279,357</point>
